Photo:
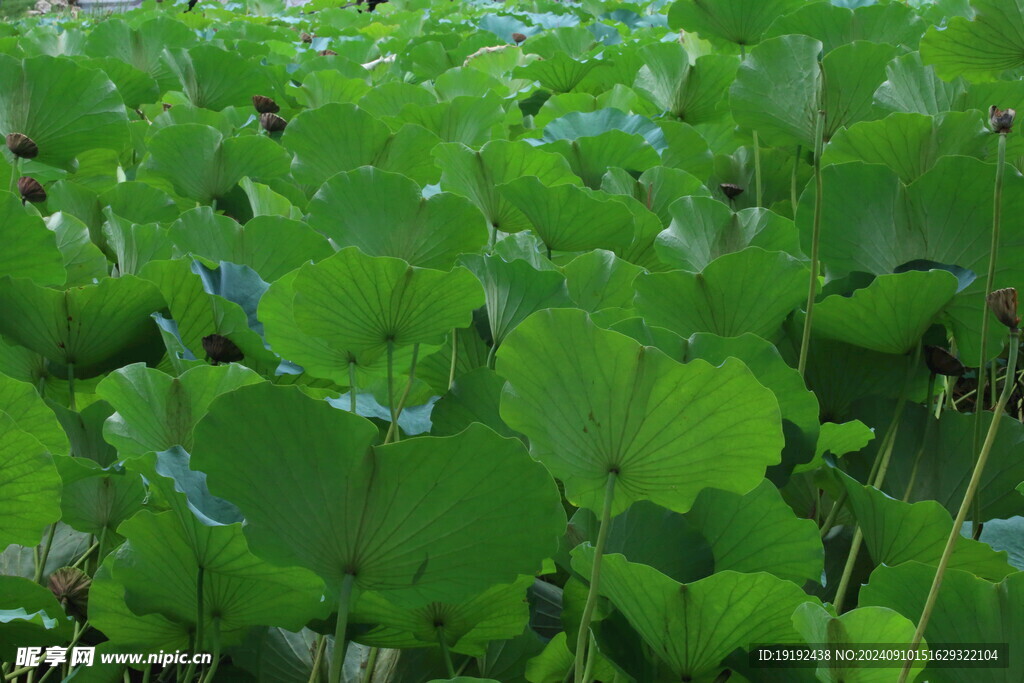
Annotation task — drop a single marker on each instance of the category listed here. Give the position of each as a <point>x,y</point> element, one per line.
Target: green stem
<point>455,358</point>
<point>100,548</point>
<point>391,381</point>
<point>85,555</point>
<point>352,386</point>
<point>71,386</point>
<point>147,673</point>
<point>826,526</point>
<point>445,653</point>
<point>15,174</point>
<point>595,578</point>
<point>930,420</point>
<point>793,199</point>
<point>338,656</point>
<point>321,646</point>
<point>965,504</point>
<point>393,430</point>
<point>990,275</point>
<point>901,402</point>
<point>757,169</point>
<point>17,672</point>
<point>80,630</point>
<point>41,565</point>
<point>200,616</point>
<point>215,660</point>
<point>371,662</point>
<point>490,355</point>
<point>588,674</point>
<point>812,286</point>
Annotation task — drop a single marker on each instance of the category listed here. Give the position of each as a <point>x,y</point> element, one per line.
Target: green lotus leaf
<point>385,214</point>
<point>741,22</point>
<point>364,303</point>
<point>83,260</point>
<point>95,500</point>
<point>598,279</point>
<point>474,397</point>
<point>29,616</point>
<point>912,87</point>
<point>342,137</point>
<point>554,398</point>
<point>423,520</point>
<point>889,315</point>
<point>32,251</point>
<point>143,633</point>
<point>135,86</point>
<point>142,45</point>
<point>156,411</point>
<point>133,244</point>
<point>570,218</point>
<point>591,156</point>
<point>896,532</point>
<point>159,565</point>
<point>499,613</point>
<point>561,73</point>
<point>936,218</point>
<point>468,120</point>
<point>758,532</point>
<point>747,291</point>
<point>834,25</point>
<point>140,202</point>
<point>204,165</point>
<point>693,94</point>
<point>996,612</point>
<point>980,48</point>
<point>513,290</point>
<point>477,174</point>
<point>692,627</point>
<point>702,229</point>
<point>909,144</point>
<point>65,108</point>
<point>21,402</point>
<point>29,485</point>
<point>213,78</point>
<point>264,201</point>
<point>656,188</point>
<point>861,626</point>
<point>270,245</point>
<point>91,327</point>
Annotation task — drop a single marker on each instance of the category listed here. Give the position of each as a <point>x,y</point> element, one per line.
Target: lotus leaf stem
<point>793,199</point>
<point>455,358</point>
<point>338,656</point>
<point>371,663</point>
<point>595,578</point>
<point>393,430</point>
<point>200,617</point>
<point>449,667</point>
<point>45,555</point>
<point>352,386</point>
<point>929,420</point>
<point>812,286</point>
<point>757,169</point>
<point>215,660</point>
<point>318,657</point>
<point>965,504</point>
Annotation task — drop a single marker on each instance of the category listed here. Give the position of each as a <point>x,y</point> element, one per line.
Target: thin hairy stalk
<point>930,420</point>
<point>318,657</point>
<point>595,578</point>
<point>812,285</point>
<point>352,386</point>
<point>45,555</point>
<point>393,430</point>
<point>965,504</point>
<point>455,358</point>
<point>371,663</point>
<point>200,617</point>
<point>391,381</point>
<point>757,169</point>
<point>340,644</point>
<point>215,659</point>
<point>793,199</point>
<point>445,654</point>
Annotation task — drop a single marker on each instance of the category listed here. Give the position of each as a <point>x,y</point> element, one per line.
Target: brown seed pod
<point>167,106</point>
<point>22,146</point>
<point>71,588</point>
<point>306,38</point>
<point>31,190</point>
<point>730,190</point>
<point>1000,119</point>
<point>1003,302</point>
<point>272,123</point>
<point>220,349</point>
<point>518,37</point>
<point>265,105</point>
<point>942,362</point>
<point>327,53</point>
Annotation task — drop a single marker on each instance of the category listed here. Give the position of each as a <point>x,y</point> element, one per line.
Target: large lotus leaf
<point>742,22</point>
<point>561,73</point>
<point>133,244</point>
<point>141,46</point>
<point>896,532</point>
<point>890,314</point>
<point>864,625</point>
<point>499,613</point>
<point>598,279</point>
<point>203,165</point>
<point>692,627</point>
<point>656,188</point>
<point>702,229</point>
<point>159,564</point>
<point>365,303</point>
<point>474,397</point>
<point>156,411</point>
<point>693,94</point>
<point>65,108</point>
<point>570,218</point>
<point>748,291</point>
<point>426,519</point>
<point>909,144</point>
<point>661,449</point>
<point>342,137</point>
<point>32,250</point>
<point>135,86</point>
<point>477,174</point>
<point>912,87</point>
<point>464,119</point>
<point>109,614</point>
<point>590,157</point>
<point>758,532</point>
<point>968,610</point>
<point>95,500</point>
<point>980,48</point>
<point>29,616</point>
<point>891,23</point>
<point>90,326</point>
<point>21,402</point>
<point>949,453</point>
<point>943,217</point>
<point>851,75</point>
<point>212,78</point>
<point>199,313</point>
<point>83,260</point>
<point>140,202</point>
<point>385,214</point>
<point>514,290</point>
<point>29,486</point>
<point>270,245</point>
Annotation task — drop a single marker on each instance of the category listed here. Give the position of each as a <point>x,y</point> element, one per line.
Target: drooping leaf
<point>29,484</point>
